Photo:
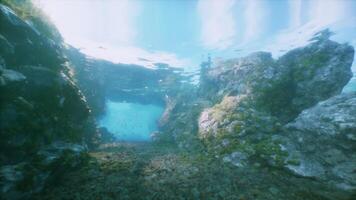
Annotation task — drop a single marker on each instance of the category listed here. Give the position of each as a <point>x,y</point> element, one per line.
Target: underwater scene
<point>177,100</point>
<point>131,121</point>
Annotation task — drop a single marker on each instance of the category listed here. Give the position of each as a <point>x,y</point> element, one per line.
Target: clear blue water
<point>183,33</point>
<point>131,121</point>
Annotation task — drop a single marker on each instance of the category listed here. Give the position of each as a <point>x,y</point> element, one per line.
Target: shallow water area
<point>131,121</point>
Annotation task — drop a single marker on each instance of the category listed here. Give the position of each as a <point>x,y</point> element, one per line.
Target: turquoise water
<point>131,121</point>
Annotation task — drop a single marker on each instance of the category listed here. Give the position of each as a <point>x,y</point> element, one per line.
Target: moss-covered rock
<point>240,134</point>
<point>284,87</point>
<point>256,95</point>
<point>146,171</point>
<point>40,105</point>
<point>318,72</point>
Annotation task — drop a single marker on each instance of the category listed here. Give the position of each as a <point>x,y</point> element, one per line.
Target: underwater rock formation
<point>273,123</point>
<point>306,75</point>
<point>247,75</point>
<point>257,96</point>
<point>39,106</point>
<point>284,87</point>
<point>25,179</point>
<point>211,118</point>
<point>322,141</point>
<point>319,71</point>
<point>281,89</point>
<point>241,134</point>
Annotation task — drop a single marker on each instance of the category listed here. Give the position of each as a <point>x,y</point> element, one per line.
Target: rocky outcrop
<point>284,87</point>
<point>319,71</point>
<point>255,122</point>
<point>39,102</point>
<point>321,142</point>
<point>40,105</point>
<point>19,38</point>
<point>257,82</point>
<point>247,75</point>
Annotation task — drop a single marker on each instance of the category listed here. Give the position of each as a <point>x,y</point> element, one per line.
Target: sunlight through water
<point>131,121</point>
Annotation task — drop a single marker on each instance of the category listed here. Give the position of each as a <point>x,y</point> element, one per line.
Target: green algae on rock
<point>40,108</point>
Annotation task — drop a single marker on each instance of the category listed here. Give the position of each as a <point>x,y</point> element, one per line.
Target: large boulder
<point>287,86</point>
<point>321,142</point>
<point>318,72</point>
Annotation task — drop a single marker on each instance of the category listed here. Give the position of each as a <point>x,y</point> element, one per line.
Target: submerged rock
<point>213,118</point>
<point>247,75</point>
<point>242,135</point>
<point>257,98</point>
<point>322,141</point>
<point>22,180</point>
<point>40,107</point>
<point>22,44</point>
<point>283,87</point>
<point>318,71</point>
